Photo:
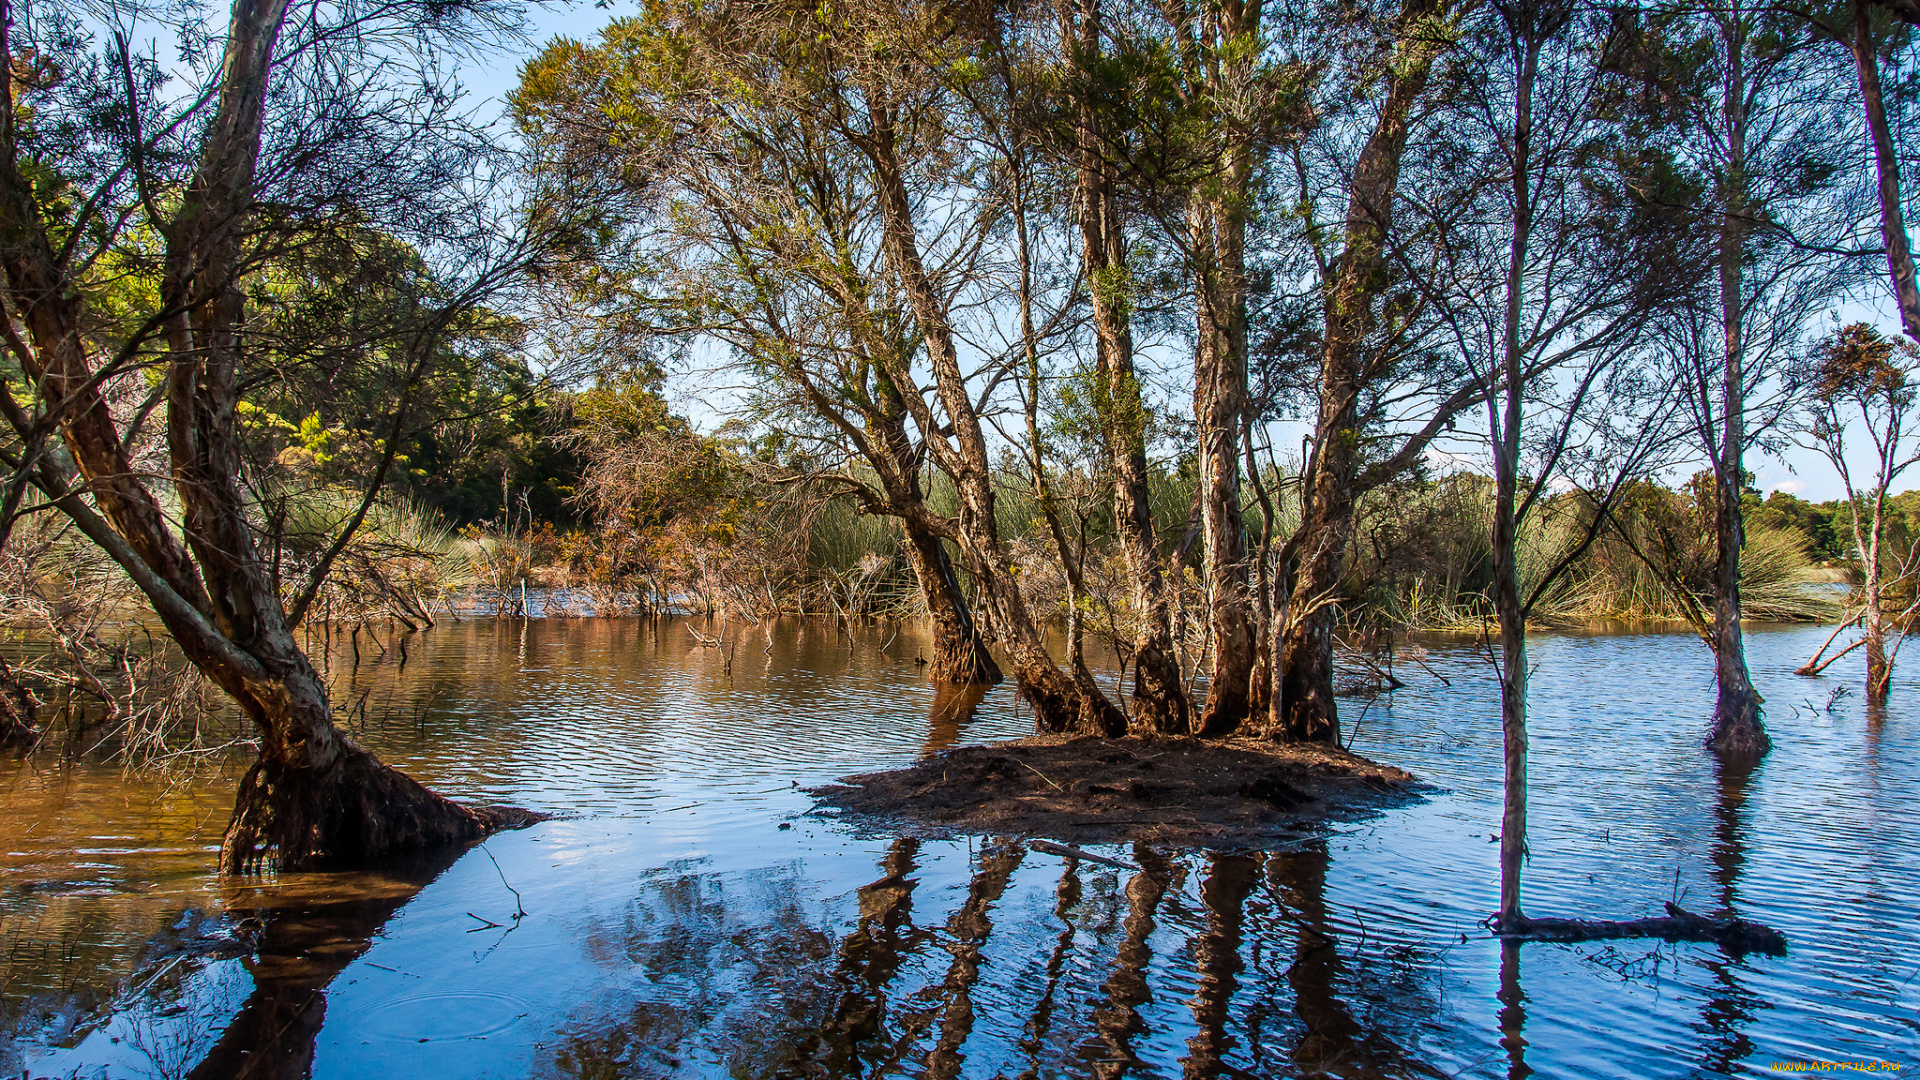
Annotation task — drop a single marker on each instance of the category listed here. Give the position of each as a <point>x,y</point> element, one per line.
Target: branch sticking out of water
<point>519,908</point>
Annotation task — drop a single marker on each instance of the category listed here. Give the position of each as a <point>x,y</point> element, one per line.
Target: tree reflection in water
<point>870,958</point>
<point>1332,1040</point>
<point>1229,881</point>
<point>1730,1006</point>
<point>312,928</point>
<point>1513,1012</point>
<point>1118,1018</point>
<point>745,974</point>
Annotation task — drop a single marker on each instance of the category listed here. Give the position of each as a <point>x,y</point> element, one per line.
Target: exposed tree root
<point>1678,924</point>
<point>352,813</point>
<point>1063,705</point>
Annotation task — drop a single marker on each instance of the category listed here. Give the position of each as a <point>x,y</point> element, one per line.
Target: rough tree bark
<point>313,796</point>
<point>1893,222</point>
<point>1217,215</point>
<point>1060,703</point>
<point>1304,709</point>
<point>1736,715</point>
<point>960,654</point>
<point>1160,702</point>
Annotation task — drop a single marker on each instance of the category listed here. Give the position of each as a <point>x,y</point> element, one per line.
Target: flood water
<point>688,915</point>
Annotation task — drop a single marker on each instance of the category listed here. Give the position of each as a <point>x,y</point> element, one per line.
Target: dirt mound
<point>1191,792</point>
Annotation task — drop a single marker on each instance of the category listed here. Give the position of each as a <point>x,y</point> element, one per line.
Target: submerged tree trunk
<point>1160,702</point>
<point>960,653</point>
<point>1513,710</point>
<point>1874,621</point>
<point>1736,715</point>
<point>1737,728</point>
<point>1303,706</point>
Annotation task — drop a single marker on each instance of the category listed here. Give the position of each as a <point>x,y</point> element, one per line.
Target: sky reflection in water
<point>672,927</point>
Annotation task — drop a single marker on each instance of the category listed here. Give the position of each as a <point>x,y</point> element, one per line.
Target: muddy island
<point>1221,794</point>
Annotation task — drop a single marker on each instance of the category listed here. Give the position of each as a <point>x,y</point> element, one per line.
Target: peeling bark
<point>1160,702</point>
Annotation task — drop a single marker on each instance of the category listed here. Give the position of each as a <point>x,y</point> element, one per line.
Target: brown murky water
<point>690,915</point>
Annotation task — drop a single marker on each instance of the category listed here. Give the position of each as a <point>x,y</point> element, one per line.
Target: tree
<point>130,226</point>
<point>1367,337</point>
<point>1745,94</point>
<point>1096,100</point>
<point>1561,254</point>
<point>756,235</point>
<point>852,177</point>
<point>1858,376</point>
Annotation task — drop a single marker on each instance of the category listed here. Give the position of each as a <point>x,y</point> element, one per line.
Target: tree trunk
<point>1506,413</point>
<point>1160,702</point>
<point>314,797</point>
<point>1513,714</point>
<point>340,807</point>
<point>1893,223</point>
<point>960,654</point>
<point>1736,714</point>
<point>1303,708</point>
<point>1874,622</point>
<point>1061,704</point>
<point>1217,235</point>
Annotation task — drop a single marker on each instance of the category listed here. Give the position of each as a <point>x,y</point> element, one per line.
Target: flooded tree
<point>1748,95</point>
<point>129,240</point>
<point>1570,266</point>
<point>1861,382</point>
<point>1367,337</point>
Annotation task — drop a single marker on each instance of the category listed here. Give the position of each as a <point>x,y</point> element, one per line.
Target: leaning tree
<point>141,205</point>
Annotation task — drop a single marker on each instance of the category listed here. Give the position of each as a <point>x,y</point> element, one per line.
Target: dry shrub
<point>83,674</point>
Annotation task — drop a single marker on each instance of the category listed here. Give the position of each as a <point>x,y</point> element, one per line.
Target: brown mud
<point>1213,793</point>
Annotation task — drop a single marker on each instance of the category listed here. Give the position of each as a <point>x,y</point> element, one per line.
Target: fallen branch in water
<point>1678,924</point>
<point>1083,855</point>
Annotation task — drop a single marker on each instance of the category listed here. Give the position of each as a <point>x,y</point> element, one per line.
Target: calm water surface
<point>688,915</point>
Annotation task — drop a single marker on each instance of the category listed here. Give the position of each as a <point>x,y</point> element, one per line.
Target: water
<point>690,917</point>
